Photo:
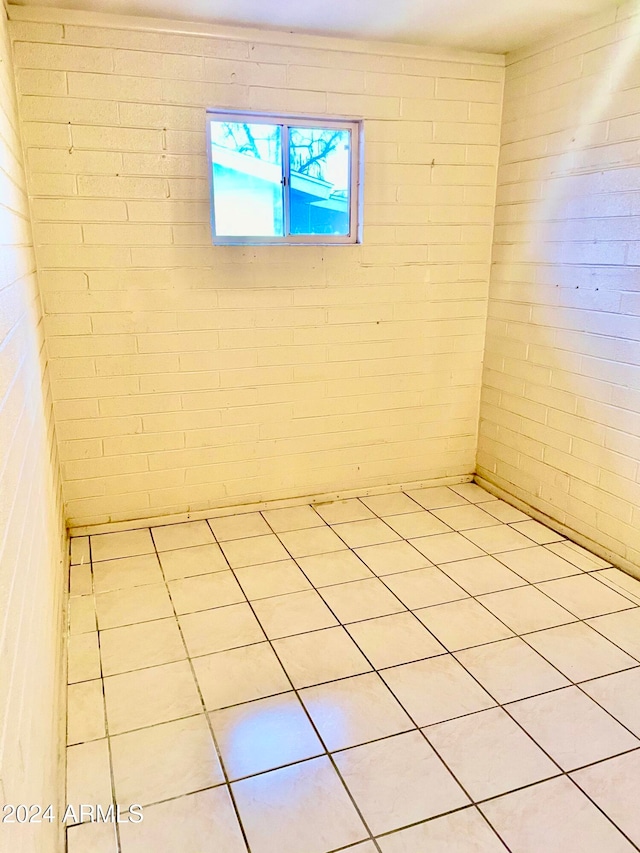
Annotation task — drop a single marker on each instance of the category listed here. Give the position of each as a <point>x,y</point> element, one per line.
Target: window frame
<point>287,121</point>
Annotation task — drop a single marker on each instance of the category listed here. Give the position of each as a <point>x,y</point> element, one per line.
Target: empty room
<point>320,426</point>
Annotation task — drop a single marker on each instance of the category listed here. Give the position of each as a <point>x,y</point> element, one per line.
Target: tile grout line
<point>417,728</point>
<point>308,716</point>
<point>226,783</point>
<point>516,635</point>
<point>523,635</point>
<point>106,719</point>
<point>581,571</point>
<point>564,773</point>
<point>104,699</point>
<point>437,754</point>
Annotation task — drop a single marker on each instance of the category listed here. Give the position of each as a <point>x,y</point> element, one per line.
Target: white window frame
<point>286,122</point>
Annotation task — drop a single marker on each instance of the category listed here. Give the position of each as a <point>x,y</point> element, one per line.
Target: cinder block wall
<point>560,416</point>
<point>187,376</point>
<point>31,529</point>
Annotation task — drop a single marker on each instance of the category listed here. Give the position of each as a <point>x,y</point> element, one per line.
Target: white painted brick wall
<point>187,376</point>
<point>560,414</point>
<point>31,530</point>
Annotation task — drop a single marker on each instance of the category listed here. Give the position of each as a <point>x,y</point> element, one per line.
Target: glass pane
<point>319,165</point>
<point>247,179</point>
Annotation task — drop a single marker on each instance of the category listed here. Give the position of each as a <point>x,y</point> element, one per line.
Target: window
<point>277,180</point>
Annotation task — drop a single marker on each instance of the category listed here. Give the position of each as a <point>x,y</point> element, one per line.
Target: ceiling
<point>495,26</point>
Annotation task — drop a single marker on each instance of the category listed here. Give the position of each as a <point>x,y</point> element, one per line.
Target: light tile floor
<point>430,671</point>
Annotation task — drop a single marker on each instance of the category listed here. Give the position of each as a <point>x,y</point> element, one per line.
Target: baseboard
<point>231,509</point>
<point>579,538</point>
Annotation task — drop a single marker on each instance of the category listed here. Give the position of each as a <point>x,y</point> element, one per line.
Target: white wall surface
<point>560,416</point>
<point>31,531</point>
<point>187,376</point>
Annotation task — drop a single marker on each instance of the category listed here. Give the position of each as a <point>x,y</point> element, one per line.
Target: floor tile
<point>490,754</point>
<point>619,694</point>
<point>424,587</point>
<point>263,735</point>
<point>149,696</point>
<point>481,575</point>
<point>337,512</point>
<point>254,551</point>
<point>472,492</point>
<point>537,564</point>
<point>81,580</point>
<point>446,547</point>
<point>363,847</point>
<point>88,775</point>
<point>571,728</point>
<point>461,624</point>
<point>392,557</point>
<point>614,785</point>
<point>187,562</point>
<point>314,540</point>
<point>127,572</point>
<point>292,518</point>
<point>127,543</point>
<point>391,504</point>
<point>302,807</point>
<point>510,670</point>
<point>436,497</point>
<point>273,750</point>
<point>239,675</point>
<point>410,525</point>
<point>352,602</point>
<point>554,817</point>
<point>579,652</point>
<point>398,781</point>
<point>270,579</point>
<point>127,606</point>
<point>539,533</point>
<point>79,550</point>
<point>526,609</point>
<point>585,596</point>
<point>169,537</point>
<point>496,539</point>
<point>621,582</point>
<point>220,629</point>
<point>579,557</point>
<point>320,656</point>
<point>358,534</point>
<point>336,567</point>
<point>165,761</point>
<point>354,710</point>
<point>202,821</point>
<point>97,837</point>
<point>241,526</point>
<point>466,517</point>
<point>392,640</point>
<point>139,646</point>
<point>82,614</point>
<point>623,629</point>
<point>295,613</point>
<point>436,690</point>
<point>204,592</point>
<point>83,657</point>
<point>85,712</point>
<point>504,512</point>
<point>463,831</point>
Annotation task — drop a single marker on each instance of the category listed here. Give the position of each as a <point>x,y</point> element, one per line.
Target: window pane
<point>320,180</point>
<point>247,179</point>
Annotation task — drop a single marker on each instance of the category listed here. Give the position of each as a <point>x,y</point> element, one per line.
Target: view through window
<point>283,181</point>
